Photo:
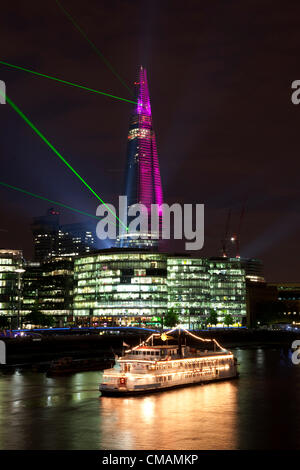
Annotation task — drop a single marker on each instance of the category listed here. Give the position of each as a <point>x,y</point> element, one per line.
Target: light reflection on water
<point>37,412</point>
<point>201,416</point>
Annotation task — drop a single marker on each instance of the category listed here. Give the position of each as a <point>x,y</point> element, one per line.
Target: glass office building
<point>121,284</point>
<point>188,289</point>
<point>50,284</point>
<point>227,287</point>
<point>31,285</point>
<point>138,287</point>
<point>10,281</point>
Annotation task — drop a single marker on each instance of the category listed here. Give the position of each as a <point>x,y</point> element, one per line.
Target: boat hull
<point>109,392</point>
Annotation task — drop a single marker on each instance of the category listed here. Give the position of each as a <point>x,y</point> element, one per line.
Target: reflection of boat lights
<point>148,409</point>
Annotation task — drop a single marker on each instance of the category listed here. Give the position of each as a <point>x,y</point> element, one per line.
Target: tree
<point>228,319</point>
<point>212,318</point>
<point>37,318</point>
<point>171,318</point>
<point>4,323</point>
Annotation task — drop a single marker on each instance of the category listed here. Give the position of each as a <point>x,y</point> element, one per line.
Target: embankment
<point>25,351</point>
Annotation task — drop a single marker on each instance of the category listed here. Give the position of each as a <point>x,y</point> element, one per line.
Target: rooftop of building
<point>285,285</point>
<point>4,252</point>
<point>156,252</point>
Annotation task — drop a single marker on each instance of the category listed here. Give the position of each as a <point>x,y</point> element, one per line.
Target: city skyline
<point>149,234</point>
<point>206,156</point>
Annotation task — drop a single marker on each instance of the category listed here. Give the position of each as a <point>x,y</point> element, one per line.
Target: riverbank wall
<point>25,351</point>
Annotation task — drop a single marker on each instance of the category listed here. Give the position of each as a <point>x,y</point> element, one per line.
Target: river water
<point>259,410</point>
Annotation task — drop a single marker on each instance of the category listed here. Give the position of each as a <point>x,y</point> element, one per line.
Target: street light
<point>19,271</point>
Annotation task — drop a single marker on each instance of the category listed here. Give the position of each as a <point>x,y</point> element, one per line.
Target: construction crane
<point>225,239</point>
<point>236,237</point>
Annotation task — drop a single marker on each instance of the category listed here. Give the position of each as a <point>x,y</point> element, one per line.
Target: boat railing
<point>154,358</point>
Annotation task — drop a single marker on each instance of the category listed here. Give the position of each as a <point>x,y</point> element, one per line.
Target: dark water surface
<point>260,410</point>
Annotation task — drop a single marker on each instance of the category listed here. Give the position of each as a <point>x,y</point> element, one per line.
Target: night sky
<point>220,77</point>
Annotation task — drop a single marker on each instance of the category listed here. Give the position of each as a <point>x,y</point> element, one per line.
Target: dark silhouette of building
<point>45,235</point>
<point>254,269</point>
<point>262,306</point>
<point>288,295</point>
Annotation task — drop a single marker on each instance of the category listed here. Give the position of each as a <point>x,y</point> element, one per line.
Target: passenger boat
<point>149,367</point>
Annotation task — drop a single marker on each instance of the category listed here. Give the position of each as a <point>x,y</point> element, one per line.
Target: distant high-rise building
<point>45,230</point>
<point>52,239</point>
<point>143,182</point>
<point>76,239</point>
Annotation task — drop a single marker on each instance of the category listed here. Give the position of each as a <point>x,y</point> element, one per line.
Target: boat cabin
<point>156,353</point>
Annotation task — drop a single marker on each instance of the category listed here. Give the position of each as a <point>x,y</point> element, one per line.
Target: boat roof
<point>155,348</point>
<point>210,354</point>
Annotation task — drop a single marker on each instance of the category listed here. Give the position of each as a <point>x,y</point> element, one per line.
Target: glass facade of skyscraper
<point>143,181</point>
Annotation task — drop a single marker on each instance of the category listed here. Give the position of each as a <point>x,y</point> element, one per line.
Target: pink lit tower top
<point>143,182</point>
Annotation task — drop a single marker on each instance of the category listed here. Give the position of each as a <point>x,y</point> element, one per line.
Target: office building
<point>51,239</point>
<point>135,286</point>
<point>49,287</point>
<point>227,287</point>
<point>188,289</point>
<point>11,267</point>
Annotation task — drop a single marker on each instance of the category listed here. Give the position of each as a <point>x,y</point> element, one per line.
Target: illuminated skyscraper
<point>143,182</point>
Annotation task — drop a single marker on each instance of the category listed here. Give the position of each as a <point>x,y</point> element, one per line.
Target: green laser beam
<point>25,118</point>
<point>65,82</point>
<point>95,48</point>
<point>48,200</point>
